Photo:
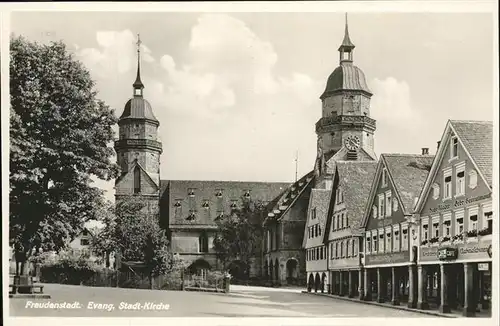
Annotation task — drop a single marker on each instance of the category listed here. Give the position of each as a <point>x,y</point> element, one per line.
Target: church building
<point>187,209</point>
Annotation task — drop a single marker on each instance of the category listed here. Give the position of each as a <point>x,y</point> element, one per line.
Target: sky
<point>237,94</point>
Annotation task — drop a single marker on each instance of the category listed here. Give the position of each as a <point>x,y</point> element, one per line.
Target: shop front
<point>386,277</point>
<point>456,277</point>
<point>345,277</point>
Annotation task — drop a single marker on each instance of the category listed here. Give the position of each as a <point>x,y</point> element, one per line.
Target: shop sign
<point>481,250</point>
<point>388,258</point>
<point>483,267</point>
<point>458,203</point>
<point>447,253</point>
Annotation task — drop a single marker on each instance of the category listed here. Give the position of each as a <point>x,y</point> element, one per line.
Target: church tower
<point>345,129</point>
<point>138,149</point>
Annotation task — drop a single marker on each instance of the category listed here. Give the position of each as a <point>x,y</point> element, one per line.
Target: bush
<point>67,268</point>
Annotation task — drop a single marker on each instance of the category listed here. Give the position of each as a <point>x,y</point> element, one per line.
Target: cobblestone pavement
<point>241,302</point>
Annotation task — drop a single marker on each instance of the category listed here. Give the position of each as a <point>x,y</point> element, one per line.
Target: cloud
<point>224,112</point>
<point>391,102</point>
<point>115,53</point>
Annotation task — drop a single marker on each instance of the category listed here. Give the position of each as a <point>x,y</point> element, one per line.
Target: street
<point>243,301</point>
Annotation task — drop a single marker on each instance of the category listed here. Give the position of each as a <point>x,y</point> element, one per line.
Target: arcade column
<point>367,285</point>
<point>341,285</point>
<point>395,287</point>
<point>361,286</point>
<point>444,307</point>
<point>412,282</point>
<point>469,298</point>
<point>422,288</point>
<point>350,291</point>
<point>381,286</point>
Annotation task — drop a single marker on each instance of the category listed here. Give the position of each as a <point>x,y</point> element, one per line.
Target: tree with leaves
<point>134,234</point>
<point>239,234</point>
<point>60,136</point>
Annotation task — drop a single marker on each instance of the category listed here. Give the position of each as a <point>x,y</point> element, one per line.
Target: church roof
<point>346,77</point>
<point>477,138</point>
<point>290,196</point>
<point>181,198</point>
<point>138,108</point>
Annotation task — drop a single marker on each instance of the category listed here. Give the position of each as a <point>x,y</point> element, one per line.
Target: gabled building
<point>454,221</point>
<point>351,186</point>
<point>388,262</point>
<point>313,243</point>
<point>284,261</point>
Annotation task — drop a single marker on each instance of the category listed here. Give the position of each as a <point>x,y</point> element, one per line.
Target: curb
<point>374,303</point>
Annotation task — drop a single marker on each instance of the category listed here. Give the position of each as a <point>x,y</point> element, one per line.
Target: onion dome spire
<point>138,85</point>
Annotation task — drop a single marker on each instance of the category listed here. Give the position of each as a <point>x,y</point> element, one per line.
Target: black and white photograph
<point>250,160</point>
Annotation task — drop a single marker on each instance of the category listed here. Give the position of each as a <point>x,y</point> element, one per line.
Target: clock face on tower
<point>352,143</point>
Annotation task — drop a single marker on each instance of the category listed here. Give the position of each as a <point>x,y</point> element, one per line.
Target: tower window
<point>137,180</point>
<point>203,242</point>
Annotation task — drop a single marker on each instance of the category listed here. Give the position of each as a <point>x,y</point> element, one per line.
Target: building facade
<point>351,187</point>
<point>389,262</point>
<point>284,261</point>
<point>454,222</point>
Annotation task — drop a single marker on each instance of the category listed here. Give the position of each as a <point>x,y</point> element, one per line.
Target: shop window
<point>381,206</point>
<point>460,180</point>
<point>473,221</point>
<point>404,243</point>
<point>472,179</point>
<point>384,177</point>
<point>388,203</point>
<point>447,185</point>
<point>137,180</point>
<point>388,243</point>
<point>368,244</point>
<point>203,243</point>
<point>487,221</point>
<point>447,229</point>
<point>435,191</point>
<point>454,147</point>
<point>460,226</point>
<point>425,233</point>
<point>395,205</point>
<point>435,228</point>
<point>396,240</point>
<point>382,243</point>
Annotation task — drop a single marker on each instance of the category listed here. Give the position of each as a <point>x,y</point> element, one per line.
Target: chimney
<point>425,151</point>
<point>439,143</point>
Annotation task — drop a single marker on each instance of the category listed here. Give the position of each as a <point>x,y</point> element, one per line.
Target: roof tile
<point>477,137</point>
